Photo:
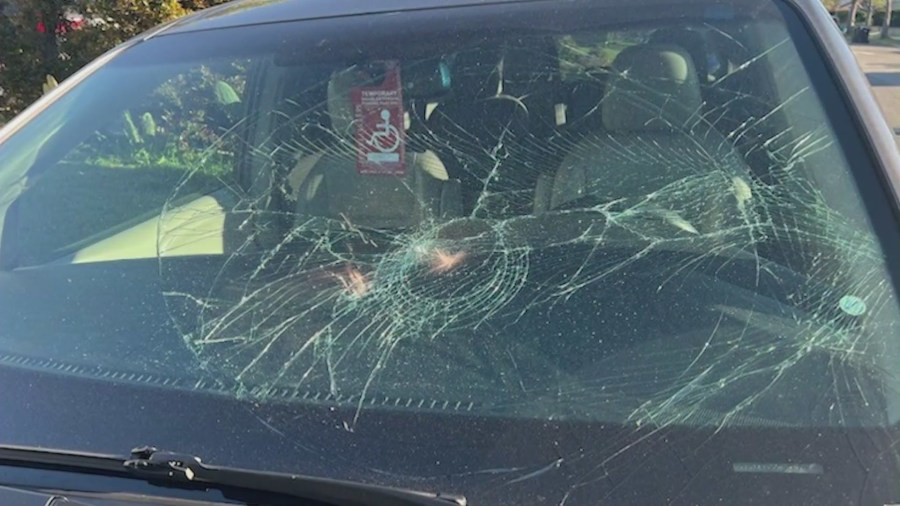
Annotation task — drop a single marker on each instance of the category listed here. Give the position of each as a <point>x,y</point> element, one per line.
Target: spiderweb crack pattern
<point>684,287</point>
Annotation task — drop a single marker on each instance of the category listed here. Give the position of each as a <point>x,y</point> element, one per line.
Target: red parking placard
<point>378,115</point>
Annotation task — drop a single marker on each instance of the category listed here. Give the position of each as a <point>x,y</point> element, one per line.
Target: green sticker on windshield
<point>852,305</point>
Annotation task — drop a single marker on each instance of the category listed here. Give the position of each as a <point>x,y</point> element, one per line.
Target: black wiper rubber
<point>170,469</point>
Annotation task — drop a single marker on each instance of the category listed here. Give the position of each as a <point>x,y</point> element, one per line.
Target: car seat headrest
<point>653,87</point>
<point>692,41</point>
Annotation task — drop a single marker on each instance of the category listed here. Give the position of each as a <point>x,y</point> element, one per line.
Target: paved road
<point>882,67</point>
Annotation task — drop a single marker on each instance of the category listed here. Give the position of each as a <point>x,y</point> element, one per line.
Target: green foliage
<point>225,94</point>
<point>148,124</point>
<point>182,125</point>
<point>28,56</point>
<point>174,129</point>
<point>131,129</point>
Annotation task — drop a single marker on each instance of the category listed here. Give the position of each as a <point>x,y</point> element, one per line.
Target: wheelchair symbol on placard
<point>387,139</point>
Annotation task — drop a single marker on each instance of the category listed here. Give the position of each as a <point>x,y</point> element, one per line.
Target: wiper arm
<point>171,469</point>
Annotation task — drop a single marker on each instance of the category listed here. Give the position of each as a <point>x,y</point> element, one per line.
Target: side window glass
<point>138,156</point>
<point>180,125</point>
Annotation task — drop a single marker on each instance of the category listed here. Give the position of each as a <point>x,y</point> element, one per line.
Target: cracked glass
<point>647,219</point>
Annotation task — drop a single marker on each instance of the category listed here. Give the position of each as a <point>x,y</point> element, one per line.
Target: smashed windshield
<point>644,218</point>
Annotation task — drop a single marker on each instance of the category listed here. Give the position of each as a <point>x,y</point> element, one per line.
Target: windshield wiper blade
<point>170,469</point>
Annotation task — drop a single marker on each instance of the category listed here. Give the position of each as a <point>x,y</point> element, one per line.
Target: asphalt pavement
<point>882,66</point>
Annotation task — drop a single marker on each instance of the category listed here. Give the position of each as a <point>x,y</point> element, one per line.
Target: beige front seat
<point>327,183</point>
<point>655,149</point>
